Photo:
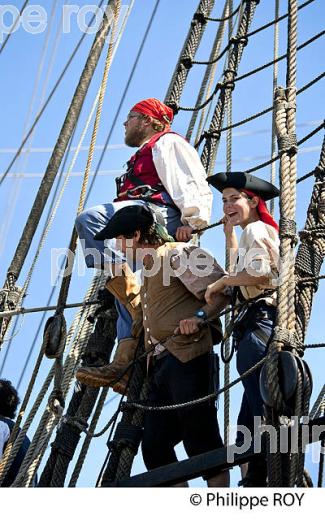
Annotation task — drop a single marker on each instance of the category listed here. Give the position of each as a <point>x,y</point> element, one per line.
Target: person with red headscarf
<point>253,275</point>
<point>166,174</point>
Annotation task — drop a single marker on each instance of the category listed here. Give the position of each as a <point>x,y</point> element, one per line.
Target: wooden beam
<point>188,469</point>
<point>200,464</point>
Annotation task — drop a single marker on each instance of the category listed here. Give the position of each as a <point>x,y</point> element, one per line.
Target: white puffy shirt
<point>182,174</point>
<point>254,257</point>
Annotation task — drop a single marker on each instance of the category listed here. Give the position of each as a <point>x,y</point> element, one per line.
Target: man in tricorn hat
<point>165,172</point>
<point>179,331</point>
<point>253,275</point>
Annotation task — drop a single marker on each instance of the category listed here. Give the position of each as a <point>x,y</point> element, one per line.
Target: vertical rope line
<point>56,158</point>
<point>209,76</point>
<point>18,175</point>
<point>209,151</point>
<point>188,51</point>
<point>285,109</point>
<point>84,450</point>
<point>116,9</point>
<point>291,116</point>
<point>15,441</point>
<point>74,237</point>
<point>205,113</point>
<point>228,318</point>
<point>275,84</point>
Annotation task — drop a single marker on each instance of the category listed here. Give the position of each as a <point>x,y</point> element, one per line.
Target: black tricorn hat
<point>127,220</point>
<point>243,180</point>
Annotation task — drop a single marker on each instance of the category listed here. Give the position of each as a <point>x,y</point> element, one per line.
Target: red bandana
<point>154,108</point>
<point>264,214</point>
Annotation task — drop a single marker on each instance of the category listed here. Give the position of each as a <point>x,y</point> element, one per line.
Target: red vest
<point>141,180</point>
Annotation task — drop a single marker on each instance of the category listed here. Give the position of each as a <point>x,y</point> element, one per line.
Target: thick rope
<point>14,445</point>
<point>213,135</point>
<point>99,343</point>
<point>190,47</point>
<point>311,250</point>
<point>124,445</point>
<point>208,78</point>
<point>285,101</point>
<point>84,450</point>
<point>63,378</point>
<point>59,151</point>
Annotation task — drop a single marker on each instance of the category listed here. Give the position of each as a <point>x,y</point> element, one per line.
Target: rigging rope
<point>14,25</point>
<point>286,469</point>
<point>57,155</point>
<point>226,345</point>
<point>42,110</point>
<point>275,84</point>
<point>78,343</point>
<point>209,150</point>
<point>187,54</point>
<point>126,89</point>
<point>16,185</point>
<point>208,76</point>
<point>222,84</point>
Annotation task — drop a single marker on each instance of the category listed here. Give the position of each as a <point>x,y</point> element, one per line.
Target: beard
<point>135,137</point>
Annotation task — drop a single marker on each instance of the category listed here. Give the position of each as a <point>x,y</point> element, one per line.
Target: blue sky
<point>21,96</point>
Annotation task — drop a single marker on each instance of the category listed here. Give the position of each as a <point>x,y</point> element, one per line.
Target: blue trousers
<point>100,255</point>
<point>250,350</point>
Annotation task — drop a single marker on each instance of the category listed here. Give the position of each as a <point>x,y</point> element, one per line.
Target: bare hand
<point>228,228</point>
<point>189,326</point>
<point>213,289</point>
<point>184,233</point>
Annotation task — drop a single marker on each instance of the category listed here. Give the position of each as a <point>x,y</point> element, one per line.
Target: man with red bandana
<point>165,173</point>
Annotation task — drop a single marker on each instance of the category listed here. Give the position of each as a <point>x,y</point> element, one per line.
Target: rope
<point>226,345</point>
<point>50,417</point>
<point>285,103</point>
<point>49,300</point>
<point>14,445</point>
<point>230,82</point>
<point>14,25</point>
<point>319,405</point>
<point>275,84</point>
<point>190,47</point>
<point>126,89</point>
<point>262,112</point>
<point>16,185</point>
<point>42,110</point>
<point>321,466</point>
<point>311,250</point>
<point>209,150</point>
<point>97,102</point>
<point>297,144</point>
<point>89,436</point>
<point>124,446</point>
<point>22,310</point>
<point>195,402</point>
<point>208,76</point>
<point>249,34</point>
<point>59,150</point>
<point>225,18</point>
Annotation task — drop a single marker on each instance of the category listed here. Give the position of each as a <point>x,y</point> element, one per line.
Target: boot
<point>127,290</point>
<point>256,473</point>
<point>109,375</point>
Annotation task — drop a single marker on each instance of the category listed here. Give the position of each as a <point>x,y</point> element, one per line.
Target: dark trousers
<point>251,349</point>
<point>197,426</point>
